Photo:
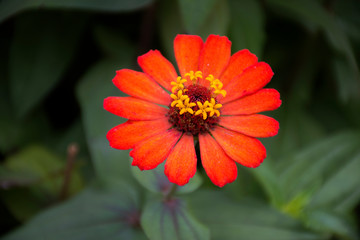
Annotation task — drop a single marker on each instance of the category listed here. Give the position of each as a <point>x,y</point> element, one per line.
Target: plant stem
<point>171,192</point>
<point>71,156</point>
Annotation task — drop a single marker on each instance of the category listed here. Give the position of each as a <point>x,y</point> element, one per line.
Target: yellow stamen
<point>194,75</point>
<point>178,85</point>
<point>216,84</point>
<point>213,108</point>
<point>178,99</point>
<point>202,109</point>
<point>182,101</point>
<point>187,107</point>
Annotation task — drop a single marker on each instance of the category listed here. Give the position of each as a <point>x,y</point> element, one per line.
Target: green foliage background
<point>59,179</point>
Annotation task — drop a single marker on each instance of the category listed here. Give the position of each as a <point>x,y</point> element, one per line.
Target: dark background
<point>60,179</point>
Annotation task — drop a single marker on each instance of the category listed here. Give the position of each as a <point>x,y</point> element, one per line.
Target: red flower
<point>214,101</point>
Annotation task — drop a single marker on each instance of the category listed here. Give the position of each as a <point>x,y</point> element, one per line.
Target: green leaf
<point>297,130</point>
<point>247,27</point>
<point>155,180</point>
<point>11,7</point>
<point>37,64</point>
<point>169,26</point>
<point>113,43</point>
<point>38,174</point>
<point>314,16</point>
<point>195,13</point>
<point>314,165</point>
<point>217,22</point>
<point>245,219</point>
<point>93,88</point>
<point>204,17</point>
<point>170,219</point>
<point>328,221</point>
<point>268,178</point>
<point>111,213</point>
<point>340,189</point>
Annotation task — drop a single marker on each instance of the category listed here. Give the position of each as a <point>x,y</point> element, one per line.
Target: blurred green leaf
<point>15,133</point>
<point>217,22</point>
<point>11,7</point>
<point>327,221</point>
<point>316,164</point>
<point>297,129</point>
<point>348,79</point>
<point>247,27</point>
<point>268,178</point>
<point>320,178</point>
<point>112,43</point>
<point>348,13</point>
<point>169,26</point>
<point>195,13</point>
<point>155,180</point>
<point>313,15</point>
<point>246,219</point>
<point>111,213</point>
<point>203,17</point>
<point>93,88</point>
<point>342,184</point>
<point>11,178</point>
<point>37,64</point>
<point>170,219</point>
<point>42,173</point>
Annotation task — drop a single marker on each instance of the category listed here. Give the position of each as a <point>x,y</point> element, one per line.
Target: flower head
<point>215,100</point>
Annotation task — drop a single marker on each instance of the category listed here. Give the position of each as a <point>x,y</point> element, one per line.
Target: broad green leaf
<point>247,27</point>
<point>37,64</point>
<point>170,219</point>
<point>217,22</point>
<point>12,178</point>
<point>93,88</point>
<point>345,77</point>
<point>314,16</point>
<point>297,130</point>
<point>96,213</point>
<point>315,164</point>
<point>11,7</point>
<point>348,12</point>
<point>15,132</point>
<point>268,178</point>
<point>245,219</point>
<point>38,174</point>
<point>113,43</point>
<point>204,17</point>
<point>169,26</point>
<point>328,221</point>
<point>342,184</point>
<point>194,13</point>
<point>155,181</point>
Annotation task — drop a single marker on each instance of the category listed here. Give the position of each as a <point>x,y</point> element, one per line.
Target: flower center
<point>194,108</point>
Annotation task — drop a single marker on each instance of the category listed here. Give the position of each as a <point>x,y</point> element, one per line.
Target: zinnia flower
<point>213,102</point>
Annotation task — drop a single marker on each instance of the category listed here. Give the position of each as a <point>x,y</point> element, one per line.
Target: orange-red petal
<point>158,67</point>
<point>251,80</point>
<point>149,153</point>
<point>237,64</point>
<point>245,150</point>
<point>126,135</point>
<point>140,85</point>
<point>134,108</point>
<point>180,166</point>
<point>214,57</point>
<point>187,51</point>
<point>252,125</point>
<point>219,167</point>
<point>263,100</point>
